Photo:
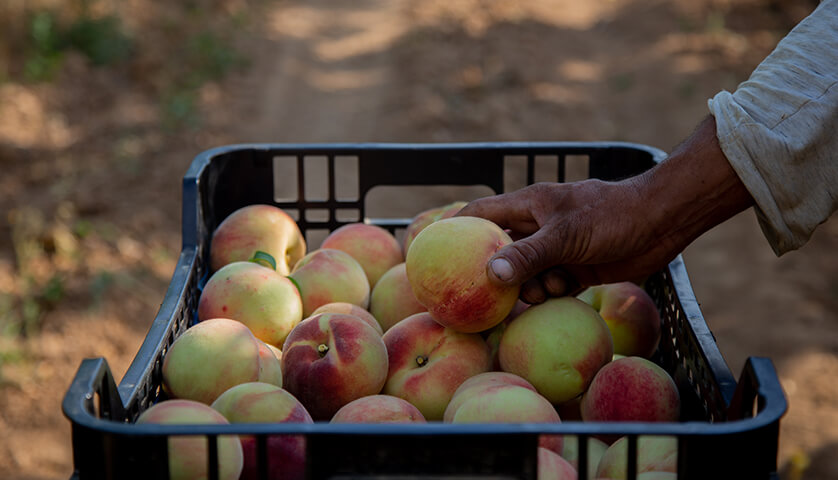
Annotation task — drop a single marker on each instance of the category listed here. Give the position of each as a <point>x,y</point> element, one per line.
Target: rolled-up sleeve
<point>779,130</point>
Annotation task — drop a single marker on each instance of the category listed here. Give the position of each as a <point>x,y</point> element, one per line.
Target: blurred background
<point>104,103</point>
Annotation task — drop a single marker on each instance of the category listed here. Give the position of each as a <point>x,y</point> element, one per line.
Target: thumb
<point>522,260</point>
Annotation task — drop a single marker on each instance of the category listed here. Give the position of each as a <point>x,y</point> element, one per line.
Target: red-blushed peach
<point>392,299</point>
<point>479,383</point>
<point>188,455</point>
<point>510,404</point>
<point>631,389</point>
<point>428,362</point>
<point>350,309</point>
<point>270,370</point>
<point>326,276</point>
<point>379,409</point>
<point>376,249</point>
<point>259,297</point>
<point>631,316</point>
<point>446,267</point>
<point>255,228</point>
<point>558,346</point>
<point>331,359</point>
<point>210,357</point>
<point>596,449</point>
<point>551,466</point>
<point>427,217</point>
<point>259,402</point>
<point>654,454</point>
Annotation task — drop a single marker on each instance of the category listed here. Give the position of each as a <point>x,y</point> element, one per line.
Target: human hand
<point>573,235</point>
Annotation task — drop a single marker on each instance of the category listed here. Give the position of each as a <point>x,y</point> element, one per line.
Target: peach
<point>259,402</point>
<point>558,346</point>
<point>551,466</point>
<point>631,315</point>
<point>259,297</point>
<point>596,449</point>
<point>188,455</point>
<point>631,389</point>
<point>255,228</point>
<point>209,358</point>
<point>276,351</point>
<point>350,309</point>
<point>478,384</point>
<point>446,267</point>
<point>378,409</point>
<point>427,217</point>
<point>331,359</point>
<point>376,249</point>
<point>392,298</point>
<point>429,361</point>
<point>270,370</point>
<point>654,454</point>
<point>326,276</point>
<point>510,404</point>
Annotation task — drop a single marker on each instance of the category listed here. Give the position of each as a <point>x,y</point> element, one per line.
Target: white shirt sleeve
<point>779,130</point>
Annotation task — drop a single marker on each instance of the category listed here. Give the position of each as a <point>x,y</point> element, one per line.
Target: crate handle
<point>93,379</point>
<point>757,383</point>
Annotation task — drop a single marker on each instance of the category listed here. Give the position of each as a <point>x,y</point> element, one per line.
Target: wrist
<point>692,191</point>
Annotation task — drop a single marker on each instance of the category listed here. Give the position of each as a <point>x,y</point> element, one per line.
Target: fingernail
<point>502,269</point>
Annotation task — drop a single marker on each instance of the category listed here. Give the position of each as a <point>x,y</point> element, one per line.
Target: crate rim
<point>203,158</point>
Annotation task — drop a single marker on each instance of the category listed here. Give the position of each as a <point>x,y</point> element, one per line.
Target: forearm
<point>692,191</point>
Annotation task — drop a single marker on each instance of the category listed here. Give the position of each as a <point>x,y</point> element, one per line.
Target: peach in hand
<point>446,267</point>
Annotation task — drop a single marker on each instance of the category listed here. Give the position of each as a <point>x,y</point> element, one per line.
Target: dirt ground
<point>90,183</point>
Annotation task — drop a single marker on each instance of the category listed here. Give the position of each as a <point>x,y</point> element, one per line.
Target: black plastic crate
<point>730,429</point>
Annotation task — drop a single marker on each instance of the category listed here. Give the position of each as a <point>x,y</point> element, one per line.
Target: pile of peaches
<point>370,328</point>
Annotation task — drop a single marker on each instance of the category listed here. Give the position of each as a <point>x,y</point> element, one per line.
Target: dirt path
<point>472,70</point>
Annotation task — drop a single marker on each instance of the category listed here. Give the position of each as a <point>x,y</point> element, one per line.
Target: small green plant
<point>45,50</point>
<point>101,39</point>
<point>207,56</point>
<point>23,316</point>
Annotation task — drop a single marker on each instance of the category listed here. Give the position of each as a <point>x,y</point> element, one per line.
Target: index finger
<point>507,210</point>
